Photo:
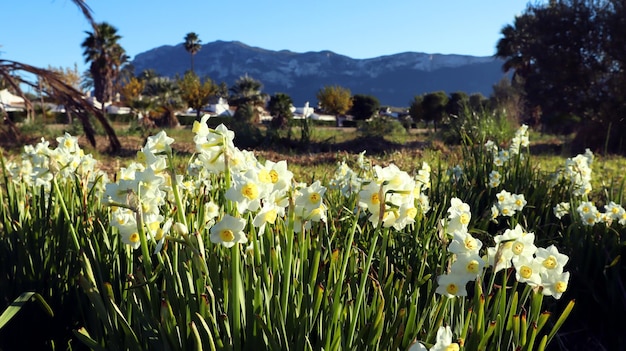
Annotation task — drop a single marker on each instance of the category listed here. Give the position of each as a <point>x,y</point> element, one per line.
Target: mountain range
<point>393,79</point>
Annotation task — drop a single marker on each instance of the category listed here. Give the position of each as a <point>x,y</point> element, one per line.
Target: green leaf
<point>19,302</point>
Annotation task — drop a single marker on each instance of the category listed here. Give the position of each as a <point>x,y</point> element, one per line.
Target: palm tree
<point>192,45</point>
<point>246,94</point>
<point>60,90</point>
<point>279,107</point>
<point>106,55</point>
<point>247,90</point>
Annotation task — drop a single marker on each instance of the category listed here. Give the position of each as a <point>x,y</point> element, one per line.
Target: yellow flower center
<point>375,199</point>
<point>585,209</point>
<point>134,237</point>
<point>141,157</point>
<point>465,218</point>
<point>518,248</point>
<point>615,210</point>
<point>518,202</point>
<point>550,262</point>
<point>274,176</point>
<point>470,243</point>
<point>525,272</point>
<point>314,198</point>
<point>68,143</point>
<point>505,211</point>
<point>472,266</point>
<point>453,347</point>
<point>452,289</point>
<point>250,191</point>
<point>227,235</point>
<point>560,287</point>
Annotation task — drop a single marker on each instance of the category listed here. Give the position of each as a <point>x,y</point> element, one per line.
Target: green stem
<point>336,310</point>
<point>284,296</point>
<point>66,213</point>
<point>235,305</point>
<point>361,292</point>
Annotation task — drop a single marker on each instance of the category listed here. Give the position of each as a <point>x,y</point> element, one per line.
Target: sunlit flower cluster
<point>577,173</point>
<point>345,179</point>
<point>507,204</point>
<point>495,179</point>
<point>518,142</point>
<point>40,163</point>
<point>140,192</point>
<point>538,267</point>
<point>467,263</point>
<point>515,248</point>
<point>393,198</point>
<point>262,189</point>
<point>589,214</point>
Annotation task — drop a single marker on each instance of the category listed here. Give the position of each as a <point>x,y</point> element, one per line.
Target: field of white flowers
<point>233,253</point>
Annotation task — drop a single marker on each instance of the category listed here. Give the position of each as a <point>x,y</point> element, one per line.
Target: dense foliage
<point>569,57</point>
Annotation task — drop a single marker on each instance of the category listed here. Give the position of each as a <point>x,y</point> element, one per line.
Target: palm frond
<point>64,93</point>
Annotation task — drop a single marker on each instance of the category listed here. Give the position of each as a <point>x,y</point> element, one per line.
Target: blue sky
<point>49,32</point>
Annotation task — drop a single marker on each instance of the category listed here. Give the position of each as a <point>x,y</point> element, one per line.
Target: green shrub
<point>381,127</point>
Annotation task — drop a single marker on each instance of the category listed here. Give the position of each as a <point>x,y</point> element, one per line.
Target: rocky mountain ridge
<point>393,79</point>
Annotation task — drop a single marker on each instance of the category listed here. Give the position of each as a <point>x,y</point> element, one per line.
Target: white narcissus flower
<point>494,179</point>
<point>463,243</point>
<point>407,213</point>
<point>459,216</point>
<point>369,197</point>
<point>229,231</point>
<point>280,176</point>
<point>496,260</point>
<point>561,209</point>
<point>451,285</point>
<point>518,201</point>
<point>200,127</point>
<point>159,143</point>
<point>551,259</point>
<point>310,197</point>
<point>267,214</point>
<point>423,176</point>
<point>554,284</point>
<point>444,340</point>
<point>527,270</point>
<point>246,191</point>
<point>468,266</point>
<point>504,242</point>
<point>417,346</point>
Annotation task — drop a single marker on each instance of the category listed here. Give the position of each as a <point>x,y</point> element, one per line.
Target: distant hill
<point>393,79</point>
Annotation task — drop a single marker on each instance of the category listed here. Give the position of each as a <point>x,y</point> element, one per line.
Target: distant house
<point>219,108</point>
<point>10,102</point>
<point>302,112</point>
